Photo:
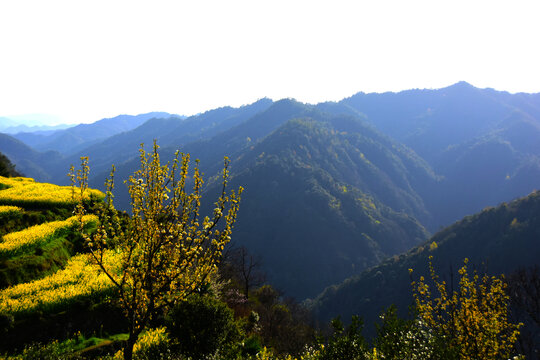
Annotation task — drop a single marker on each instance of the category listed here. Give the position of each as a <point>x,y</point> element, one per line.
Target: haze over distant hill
<point>30,123</point>
<point>82,135</point>
<point>37,129</point>
<point>484,143</point>
<point>27,160</point>
<point>347,183</point>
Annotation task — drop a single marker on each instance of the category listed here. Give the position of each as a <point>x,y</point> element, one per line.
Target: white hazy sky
<point>80,61</point>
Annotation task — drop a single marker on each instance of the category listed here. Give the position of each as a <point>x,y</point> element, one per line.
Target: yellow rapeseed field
<point>26,192</point>
<point>18,242</point>
<point>8,209</point>
<point>80,279</point>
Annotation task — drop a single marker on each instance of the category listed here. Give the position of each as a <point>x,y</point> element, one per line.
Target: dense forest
<point>498,240</point>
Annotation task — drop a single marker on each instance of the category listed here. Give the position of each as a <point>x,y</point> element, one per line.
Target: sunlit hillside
<point>46,278</point>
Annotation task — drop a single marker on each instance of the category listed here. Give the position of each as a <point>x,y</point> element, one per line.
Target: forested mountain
<point>484,143</point>
<point>498,240</point>
<point>431,120</point>
<point>303,198</point>
<point>170,131</point>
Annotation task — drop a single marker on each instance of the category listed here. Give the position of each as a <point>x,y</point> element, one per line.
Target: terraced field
<point>27,193</point>
<point>38,234</point>
<point>51,292</point>
<point>45,272</point>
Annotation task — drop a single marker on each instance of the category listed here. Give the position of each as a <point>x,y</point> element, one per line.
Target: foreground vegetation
<point>210,325</point>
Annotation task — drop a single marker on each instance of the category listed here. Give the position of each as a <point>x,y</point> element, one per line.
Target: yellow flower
<point>20,241</point>
<point>80,278</point>
<point>4,209</point>
<point>26,192</point>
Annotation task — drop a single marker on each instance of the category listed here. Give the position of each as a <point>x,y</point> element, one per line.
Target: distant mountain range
<point>30,123</point>
<point>484,143</point>
<point>307,210</point>
<point>80,136</point>
<point>334,188</point>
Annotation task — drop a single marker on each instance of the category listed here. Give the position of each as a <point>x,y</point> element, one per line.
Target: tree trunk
<point>128,349</point>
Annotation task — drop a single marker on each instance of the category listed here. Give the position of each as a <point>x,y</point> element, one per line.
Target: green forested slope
<point>454,129</point>
<point>319,200</point>
<point>496,240</point>
<point>327,188</point>
<point>478,145</point>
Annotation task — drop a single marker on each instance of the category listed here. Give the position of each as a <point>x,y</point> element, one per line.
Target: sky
<point>80,61</point>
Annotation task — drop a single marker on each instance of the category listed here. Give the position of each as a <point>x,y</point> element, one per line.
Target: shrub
<point>346,343</point>
<point>472,321</point>
<point>203,326</point>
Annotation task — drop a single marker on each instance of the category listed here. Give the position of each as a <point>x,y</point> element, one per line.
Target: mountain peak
<point>461,85</point>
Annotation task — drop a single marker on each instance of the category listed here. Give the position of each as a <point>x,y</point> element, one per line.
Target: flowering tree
<point>166,249</point>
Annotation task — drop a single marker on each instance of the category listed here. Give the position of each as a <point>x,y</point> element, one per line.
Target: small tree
<point>7,168</point>
<point>165,250</point>
<point>473,321</point>
<point>204,326</point>
<point>399,338</point>
<point>245,268</point>
<point>346,343</point>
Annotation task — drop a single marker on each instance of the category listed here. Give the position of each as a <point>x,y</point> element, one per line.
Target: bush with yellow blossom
<point>471,321</point>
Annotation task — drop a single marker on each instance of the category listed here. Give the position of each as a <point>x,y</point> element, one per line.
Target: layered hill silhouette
<point>429,121</point>
<point>171,131</point>
<point>484,143</point>
<point>80,136</point>
<point>29,161</point>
